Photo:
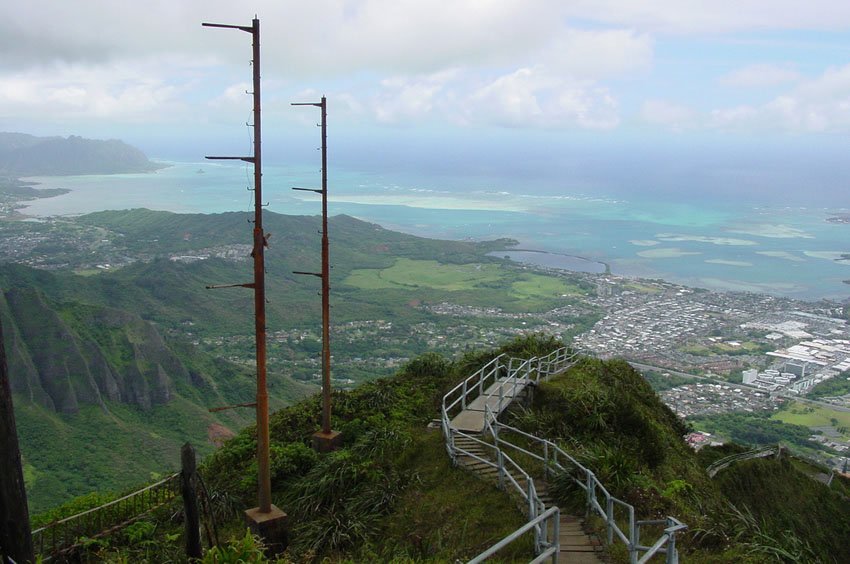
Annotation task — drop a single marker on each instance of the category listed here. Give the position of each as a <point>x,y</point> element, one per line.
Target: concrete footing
<point>272,527</point>
<point>326,442</point>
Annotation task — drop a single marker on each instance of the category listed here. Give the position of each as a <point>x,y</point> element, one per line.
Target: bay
<point>725,243</point>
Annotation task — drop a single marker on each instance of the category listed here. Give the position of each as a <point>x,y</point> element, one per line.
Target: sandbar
<point>773,231</point>
<point>666,252</point>
<point>729,262</point>
<point>726,241</point>
<point>781,255</point>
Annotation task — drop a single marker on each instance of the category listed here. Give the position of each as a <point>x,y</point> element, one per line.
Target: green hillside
<point>390,493</point>
<point>143,336</point>
<point>103,400</point>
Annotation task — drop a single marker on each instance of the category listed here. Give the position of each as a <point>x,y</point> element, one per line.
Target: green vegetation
<point>390,494</point>
<point>487,285</point>
<point>838,386</point>
<point>407,273</point>
<point>607,416</point>
<point>725,348</point>
<point>148,332</point>
<point>664,381</point>
<point>756,429</point>
<point>785,515</point>
<point>807,415</point>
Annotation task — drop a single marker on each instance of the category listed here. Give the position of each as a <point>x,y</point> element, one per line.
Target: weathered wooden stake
<point>190,501</point>
<point>15,534</point>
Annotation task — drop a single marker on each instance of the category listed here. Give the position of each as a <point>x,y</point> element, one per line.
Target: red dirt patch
<point>218,434</point>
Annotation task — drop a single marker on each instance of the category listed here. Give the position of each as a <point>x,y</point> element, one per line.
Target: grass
<point>814,416</point>
<point>449,513</point>
<point>642,288</point>
<point>408,273</point>
<point>536,286</point>
<point>745,347</point>
<point>469,283</point>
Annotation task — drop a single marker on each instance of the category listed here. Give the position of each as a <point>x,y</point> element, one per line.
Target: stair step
<point>579,557</point>
<point>584,549</point>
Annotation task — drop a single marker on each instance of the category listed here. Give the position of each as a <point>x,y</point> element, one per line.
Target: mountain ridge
<point>22,154</point>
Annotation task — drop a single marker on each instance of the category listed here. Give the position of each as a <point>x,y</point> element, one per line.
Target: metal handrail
<point>595,490</point>
<point>553,513</point>
<point>523,372</point>
<point>760,452</point>
<point>61,536</point>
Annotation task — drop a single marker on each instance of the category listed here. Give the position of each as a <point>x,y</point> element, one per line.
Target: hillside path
<point>503,390</point>
<point>576,545</point>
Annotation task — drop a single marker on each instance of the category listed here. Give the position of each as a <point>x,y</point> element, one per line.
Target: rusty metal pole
<point>326,282</point>
<point>264,478</point>
<point>259,284</point>
<point>327,439</point>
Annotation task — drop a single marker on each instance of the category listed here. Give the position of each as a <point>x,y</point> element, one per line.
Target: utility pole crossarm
<point>227,26</point>
<point>246,159</point>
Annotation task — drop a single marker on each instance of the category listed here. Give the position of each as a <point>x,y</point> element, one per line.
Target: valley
<point>394,297</point>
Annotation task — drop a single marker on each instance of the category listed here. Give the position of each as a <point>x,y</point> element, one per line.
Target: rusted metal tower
<point>265,518</point>
<point>327,439</point>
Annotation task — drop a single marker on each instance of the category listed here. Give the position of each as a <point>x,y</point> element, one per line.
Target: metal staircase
<point>476,440</point>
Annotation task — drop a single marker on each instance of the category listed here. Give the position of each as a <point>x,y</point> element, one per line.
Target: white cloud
<point>128,92</point>
<point>233,94</point>
<point>760,75</point>
<point>533,97</point>
<point>673,116</point>
<point>408,99</point>
<point>712,16</point>
<point>599,53</point>
<point>817,105</point>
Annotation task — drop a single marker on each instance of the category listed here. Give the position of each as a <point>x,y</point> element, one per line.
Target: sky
<point>431,81</point>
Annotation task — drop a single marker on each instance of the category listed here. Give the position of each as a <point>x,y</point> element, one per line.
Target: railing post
<point>672,553</point>
<point>190,502</point>
<point>609,517</point>
<point>633,536</point>
<point>532,512</point>
<point>557,536</point>
<point>637,542</point>
<point>591,493</point>
<point>545,459</point>
<point>501,462</point>
<point>501,397</point>
<point>463,397</point>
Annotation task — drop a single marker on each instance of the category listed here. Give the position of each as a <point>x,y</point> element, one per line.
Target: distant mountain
<point>102,397</point>
<point>27,155</point>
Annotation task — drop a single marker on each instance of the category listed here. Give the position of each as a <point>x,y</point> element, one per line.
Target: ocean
<point>720,242</point>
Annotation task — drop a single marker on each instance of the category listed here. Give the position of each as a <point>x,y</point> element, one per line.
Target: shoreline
<point>507,251</point>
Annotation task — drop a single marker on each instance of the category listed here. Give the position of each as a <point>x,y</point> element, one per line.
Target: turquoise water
<point>727,244</point>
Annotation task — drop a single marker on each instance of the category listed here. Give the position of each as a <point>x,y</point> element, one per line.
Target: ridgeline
<point>391,493</point>
<point>27,155</point>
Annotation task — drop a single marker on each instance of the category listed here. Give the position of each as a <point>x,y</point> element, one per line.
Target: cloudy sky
<point>452,71</point>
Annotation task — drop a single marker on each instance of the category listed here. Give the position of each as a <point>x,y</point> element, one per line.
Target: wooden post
<point>15,534</point>
<point>190,501</point>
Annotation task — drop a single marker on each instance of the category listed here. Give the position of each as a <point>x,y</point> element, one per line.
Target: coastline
<point>578,262</point>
